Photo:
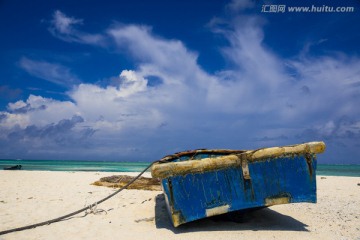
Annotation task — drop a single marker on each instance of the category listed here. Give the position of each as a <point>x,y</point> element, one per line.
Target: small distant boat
<point>203,183</point>
<point>16,167</point>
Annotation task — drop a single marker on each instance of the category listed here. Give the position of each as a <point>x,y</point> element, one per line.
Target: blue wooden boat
<point>203,183</point>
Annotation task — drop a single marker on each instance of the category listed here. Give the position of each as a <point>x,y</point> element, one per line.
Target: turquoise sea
<point>70,165</point>
<point>106,166</point>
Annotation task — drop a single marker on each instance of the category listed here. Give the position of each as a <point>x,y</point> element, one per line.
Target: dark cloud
<point>355,84</point>
<point>305,90</point>
<point>27,108</point>
<point>343,128</point>
<point>2,116</point>
<point>61,133</point>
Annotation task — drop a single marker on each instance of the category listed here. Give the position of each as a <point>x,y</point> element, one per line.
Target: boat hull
<point>288,178</point>
<point>274,181</point>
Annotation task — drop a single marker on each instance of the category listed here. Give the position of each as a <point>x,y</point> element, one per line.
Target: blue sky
<point>136,80</point>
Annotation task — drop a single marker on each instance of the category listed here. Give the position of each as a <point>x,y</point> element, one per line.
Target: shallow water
<point>107,166</point>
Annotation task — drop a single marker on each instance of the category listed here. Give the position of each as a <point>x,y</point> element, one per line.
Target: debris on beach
<point>149,219</point>
<point>118,181</point>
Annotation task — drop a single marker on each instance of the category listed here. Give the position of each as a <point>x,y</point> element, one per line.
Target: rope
<point>89,207</point>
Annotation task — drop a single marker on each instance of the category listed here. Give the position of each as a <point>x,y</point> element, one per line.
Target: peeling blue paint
<point>291,179</point>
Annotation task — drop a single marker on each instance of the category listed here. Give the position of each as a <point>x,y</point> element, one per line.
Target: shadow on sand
<point>263,219</point>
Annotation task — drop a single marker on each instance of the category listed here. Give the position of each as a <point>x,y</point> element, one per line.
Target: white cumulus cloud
<point>255,103</point>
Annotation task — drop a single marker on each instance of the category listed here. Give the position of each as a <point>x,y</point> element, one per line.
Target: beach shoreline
<point>29,197</point>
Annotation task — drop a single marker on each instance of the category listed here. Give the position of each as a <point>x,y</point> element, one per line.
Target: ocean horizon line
<point>138,166</point>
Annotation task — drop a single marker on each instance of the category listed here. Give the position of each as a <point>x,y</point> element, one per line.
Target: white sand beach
<point>28,197</point>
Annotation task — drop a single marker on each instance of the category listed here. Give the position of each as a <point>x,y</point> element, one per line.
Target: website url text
<point>307,9</point>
